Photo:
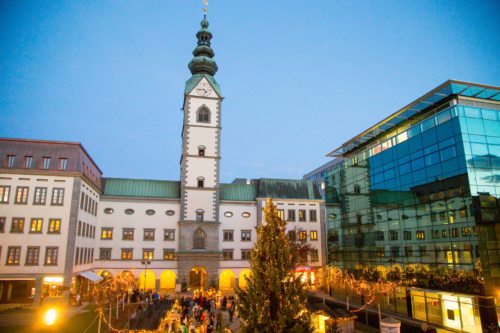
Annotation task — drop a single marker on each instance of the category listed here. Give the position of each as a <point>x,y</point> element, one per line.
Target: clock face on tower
<point>204,89</point>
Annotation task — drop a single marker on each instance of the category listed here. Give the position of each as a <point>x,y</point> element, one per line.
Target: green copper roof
<point>287,189</point>
<point>202,62</point>
<point>195,79</point>
<point>237,192</point>
<point>124,187</point>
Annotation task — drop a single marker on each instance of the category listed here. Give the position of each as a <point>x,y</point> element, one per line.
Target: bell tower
<point>200,161</point>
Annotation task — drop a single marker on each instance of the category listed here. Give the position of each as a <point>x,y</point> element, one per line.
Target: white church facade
<point>62,224</point>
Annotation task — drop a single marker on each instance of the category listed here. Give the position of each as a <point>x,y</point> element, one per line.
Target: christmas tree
<point>274,300</point>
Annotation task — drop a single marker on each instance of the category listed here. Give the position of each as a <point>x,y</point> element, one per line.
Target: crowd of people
<point>203,312</point>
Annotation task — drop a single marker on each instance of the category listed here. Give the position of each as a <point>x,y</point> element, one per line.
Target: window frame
<point>167,233</point>
<point>244,234</point>
<point>41,194</point>
<point>227,254</point>
<point>302,215</point>
<point>228,235</point>
<point>4,194</point>
<point>57,196</point>
<point>125,234</point>
<point>16,221</point>
<point>23,200</point>
<point>203,115</point>
<point>17,255</point>
<point>32,262</point>
<point>38,225</point>
<point>148,234</point>
<point>108,234</point>
<point>51,255</point>
<point>127,254</point>
<point>105,253</point>
<point>169,254</point>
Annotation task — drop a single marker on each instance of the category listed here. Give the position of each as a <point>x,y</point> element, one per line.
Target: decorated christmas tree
<point>274,299</point>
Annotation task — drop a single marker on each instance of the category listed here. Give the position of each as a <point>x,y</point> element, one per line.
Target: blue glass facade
<point>422,196</point>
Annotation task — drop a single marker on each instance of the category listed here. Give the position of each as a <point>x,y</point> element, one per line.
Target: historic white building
<point>62,223</point>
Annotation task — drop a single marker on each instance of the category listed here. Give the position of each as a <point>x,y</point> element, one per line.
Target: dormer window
<point>203,115</point>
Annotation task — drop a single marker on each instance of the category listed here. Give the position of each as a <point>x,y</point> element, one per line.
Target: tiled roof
<point>125,187</point>
<point>287,189</point>
<point>238,192</point>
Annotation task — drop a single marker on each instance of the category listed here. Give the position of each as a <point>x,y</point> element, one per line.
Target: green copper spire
<point>202,62</point>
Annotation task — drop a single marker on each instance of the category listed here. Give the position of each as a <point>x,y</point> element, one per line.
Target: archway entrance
<point>167,280</point>
<point>198,278</point>
<point>147,280</point>
<point>242,280</point>
<point>226,280</point>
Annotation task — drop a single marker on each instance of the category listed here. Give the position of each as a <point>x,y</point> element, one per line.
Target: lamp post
<point>145,263</point>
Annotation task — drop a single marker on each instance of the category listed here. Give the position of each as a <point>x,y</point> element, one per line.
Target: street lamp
<point>145,263</point>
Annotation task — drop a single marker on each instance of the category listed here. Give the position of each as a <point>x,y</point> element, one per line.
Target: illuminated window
<point>302,215</point>
<point>291,215</point>
<point>302,235</point>
<point>246,235</point>
<point>4,194</point>
<point>148,254</point>
<point>127,254</point>
<point>13,255</point>
<point>227,254</point>
<point>10,161</point>
<point>420,234</point>
<point>2,223</point>
<point>104,253</point>
<point>106,233</point>
<point>313,235</point>
<point>149,234</point>
<point>466,232</point>
<point>51,253</point>
<point>36,226</point>
<point>22,195</point>
<point>63,164</point>
<point>57,196</point>
<point>203,115</point>
<point>28,162</point>
<point>444,233</point>
<point>281,214</point>
<point>168,254</point>
<point>454,233</point>
<point>128,234</point>
<point>32,255</point>
<point>54,226</point>
<point>17,225</point>
<point>228,235</point>
<point>245,254</point>
<point>380,251</point>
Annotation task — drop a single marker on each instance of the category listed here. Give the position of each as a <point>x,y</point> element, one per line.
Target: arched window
<point>199,238</point>
<point>199,215</point>
<point>201,150</point>
<point>201,182</point>
<point>203,115</point>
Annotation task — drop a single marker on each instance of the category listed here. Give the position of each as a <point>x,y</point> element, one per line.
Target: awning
<point>91,276</point>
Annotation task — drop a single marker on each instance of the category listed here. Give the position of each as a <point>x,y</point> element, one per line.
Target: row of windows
<point>301,235</point>
<point>88,204</point>
<point>84,255</point>
<point>128,254</point>
<point>420,234</point>
<point>35,227</point>
<point>85,230</point>
<point>130,211</point>
<point>32,255</point>
<point>28,162</point>
<point>228,235</point>
<point>302,216</point>
<point>39,198</point>
<point>128,234</point>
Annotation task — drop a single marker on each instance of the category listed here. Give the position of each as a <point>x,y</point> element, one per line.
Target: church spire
<point>202,62</point>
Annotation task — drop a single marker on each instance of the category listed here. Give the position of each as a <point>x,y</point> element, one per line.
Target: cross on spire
<point>205,4</point>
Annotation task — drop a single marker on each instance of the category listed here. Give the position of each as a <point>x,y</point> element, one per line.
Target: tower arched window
<point>199,215</point>
<point>199,239</point>
<point>201,182</point>
<point>203,115</point>
<point>201,150</point>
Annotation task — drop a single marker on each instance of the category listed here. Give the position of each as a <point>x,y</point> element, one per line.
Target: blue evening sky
<point>299,77</point>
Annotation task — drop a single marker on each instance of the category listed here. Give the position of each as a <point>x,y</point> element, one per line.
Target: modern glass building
<point>416,196</point>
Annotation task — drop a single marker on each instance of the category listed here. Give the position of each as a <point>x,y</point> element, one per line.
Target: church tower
<point>198,252</point>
